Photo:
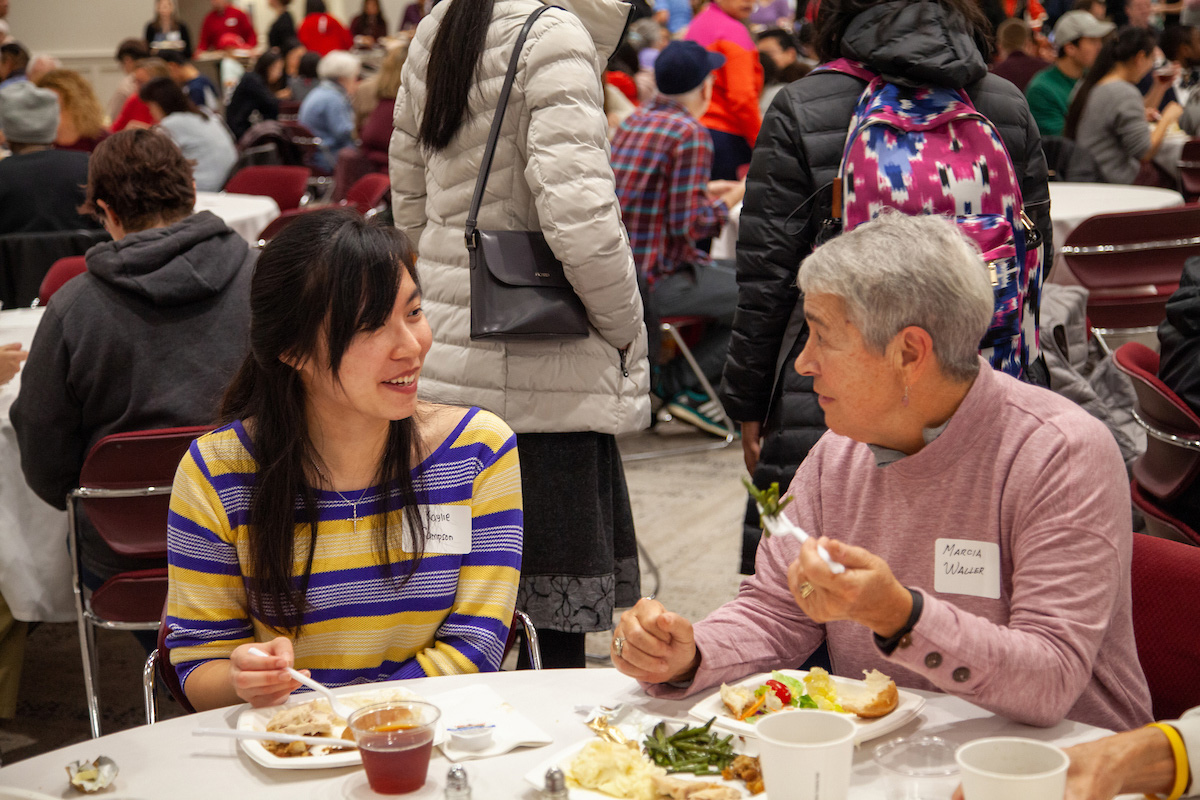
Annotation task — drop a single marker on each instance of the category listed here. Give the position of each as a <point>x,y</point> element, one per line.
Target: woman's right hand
<point>1171,113</point>
<point>263,681</point>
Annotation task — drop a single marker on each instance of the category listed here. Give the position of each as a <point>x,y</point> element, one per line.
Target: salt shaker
<point>457,785</point>
<point>556,785</point>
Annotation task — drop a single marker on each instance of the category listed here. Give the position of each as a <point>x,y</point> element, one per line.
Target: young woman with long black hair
<point>565,399</point>
<point>336,521</point>
<point>1107,116</point>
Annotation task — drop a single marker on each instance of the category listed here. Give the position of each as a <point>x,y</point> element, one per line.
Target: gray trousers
<point>708,291</point>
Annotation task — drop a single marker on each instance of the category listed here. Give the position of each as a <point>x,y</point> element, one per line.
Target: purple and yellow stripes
<point>362,624</point>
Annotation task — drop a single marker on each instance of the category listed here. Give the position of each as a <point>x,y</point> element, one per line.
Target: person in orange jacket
<point>733,117</point>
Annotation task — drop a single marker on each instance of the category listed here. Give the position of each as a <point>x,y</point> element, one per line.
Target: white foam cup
<point>806,754</point>
<point>1003,768</point>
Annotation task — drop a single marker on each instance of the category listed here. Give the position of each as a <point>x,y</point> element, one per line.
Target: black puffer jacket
<point>798,152</point>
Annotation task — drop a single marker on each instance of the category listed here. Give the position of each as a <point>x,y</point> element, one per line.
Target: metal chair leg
<point>150,687</point>
<point>723,419</point>
<point>91,673</point>
<point>644,554</point>
<point>532,648</point>
<point>87,639</point>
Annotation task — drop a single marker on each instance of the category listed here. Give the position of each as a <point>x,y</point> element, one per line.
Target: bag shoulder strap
<point>489,152</point>
<point>855,69</point>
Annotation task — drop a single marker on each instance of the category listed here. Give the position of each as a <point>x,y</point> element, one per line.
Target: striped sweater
<point>451,616</point>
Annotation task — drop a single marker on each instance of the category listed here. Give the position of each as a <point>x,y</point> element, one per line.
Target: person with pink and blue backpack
<point>880,57</point>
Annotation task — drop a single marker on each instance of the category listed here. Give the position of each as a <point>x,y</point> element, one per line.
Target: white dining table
<point>1072,203</point>
<point>247,214</point>
<point>35,572</point>
<point>167,760</point>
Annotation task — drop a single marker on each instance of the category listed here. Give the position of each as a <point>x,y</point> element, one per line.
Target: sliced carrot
<point>752,709</point>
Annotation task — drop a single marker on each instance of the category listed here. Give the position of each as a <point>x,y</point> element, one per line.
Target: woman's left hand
<point>867,592</point>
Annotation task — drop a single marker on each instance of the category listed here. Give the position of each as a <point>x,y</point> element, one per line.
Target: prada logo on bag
<point>542,274</point>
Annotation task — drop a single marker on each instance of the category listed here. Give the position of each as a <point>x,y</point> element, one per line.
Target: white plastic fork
<point>341,709</point>
<point>271,736</point>
<point>779,525</point>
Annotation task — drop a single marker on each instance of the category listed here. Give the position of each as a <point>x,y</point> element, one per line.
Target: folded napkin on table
<point>481,705</point>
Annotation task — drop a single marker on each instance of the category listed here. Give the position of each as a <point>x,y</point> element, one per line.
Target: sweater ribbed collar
<point>947,443</point>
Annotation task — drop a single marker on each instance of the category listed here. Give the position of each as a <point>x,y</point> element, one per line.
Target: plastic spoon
<point>341,709</point>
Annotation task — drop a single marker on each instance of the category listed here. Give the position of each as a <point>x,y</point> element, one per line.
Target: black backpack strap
<point>489,152</point>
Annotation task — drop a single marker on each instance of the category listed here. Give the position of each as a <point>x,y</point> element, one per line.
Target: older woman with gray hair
<point>326,110</point>
<point>983,523</point>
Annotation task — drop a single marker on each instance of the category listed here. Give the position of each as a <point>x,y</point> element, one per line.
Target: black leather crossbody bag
<point>518,289</point>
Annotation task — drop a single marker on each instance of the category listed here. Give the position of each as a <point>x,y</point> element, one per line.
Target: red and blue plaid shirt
<point>662,160</point>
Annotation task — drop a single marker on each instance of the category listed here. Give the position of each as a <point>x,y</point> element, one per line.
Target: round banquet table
<point>166,760</point>
<point>35,572</point>
<point>1072,203</point>
<point>247,214</point>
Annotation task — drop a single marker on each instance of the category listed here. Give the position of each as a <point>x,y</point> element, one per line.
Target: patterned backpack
<point>928,151</point>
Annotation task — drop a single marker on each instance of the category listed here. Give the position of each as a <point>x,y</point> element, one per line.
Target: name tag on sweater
<point>965,566</point>
<point>447,530</point>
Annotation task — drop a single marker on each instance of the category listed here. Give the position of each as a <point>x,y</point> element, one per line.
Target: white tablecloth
<point>35,573</point>
<point>1072,203</point>
<point>165,760</point>
<point>247,214</point>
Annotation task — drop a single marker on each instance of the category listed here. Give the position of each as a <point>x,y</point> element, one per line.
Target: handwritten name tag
<point>447,530</point>
<point>965,566</point>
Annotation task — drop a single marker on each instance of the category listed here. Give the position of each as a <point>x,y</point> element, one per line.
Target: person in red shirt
<point>135,113</point>
<point>224,18</point>
<point>320,32</point>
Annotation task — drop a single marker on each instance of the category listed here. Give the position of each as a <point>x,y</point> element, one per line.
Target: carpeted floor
<point>688,511</point>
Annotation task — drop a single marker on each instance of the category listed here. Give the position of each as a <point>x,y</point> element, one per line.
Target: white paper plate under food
<point>256,719</point>
<point>868,729</point>
<point>536,777</point>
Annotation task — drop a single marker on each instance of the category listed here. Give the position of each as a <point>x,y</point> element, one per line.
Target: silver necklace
<point>353,504</point>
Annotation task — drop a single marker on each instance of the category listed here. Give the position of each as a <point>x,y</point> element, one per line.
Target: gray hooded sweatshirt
<point>147,338</point>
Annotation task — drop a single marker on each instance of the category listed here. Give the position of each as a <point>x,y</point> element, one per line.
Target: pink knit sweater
<point>1028,496</point>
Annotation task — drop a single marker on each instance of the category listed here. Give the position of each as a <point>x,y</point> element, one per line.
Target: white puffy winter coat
<point>551,171</point>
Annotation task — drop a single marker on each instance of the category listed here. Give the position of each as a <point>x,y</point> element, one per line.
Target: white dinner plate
<point>256,719</point>
<point>868,729</point>
<point>536,777</point>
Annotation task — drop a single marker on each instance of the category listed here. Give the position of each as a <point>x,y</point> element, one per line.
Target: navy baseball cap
<point>683,65</point>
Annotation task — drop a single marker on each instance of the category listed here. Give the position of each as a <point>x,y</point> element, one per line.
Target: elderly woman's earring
<point>904,400</point>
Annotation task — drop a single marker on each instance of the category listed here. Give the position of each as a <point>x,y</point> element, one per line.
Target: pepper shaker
<point>457,785</point>
<point>556,785</point>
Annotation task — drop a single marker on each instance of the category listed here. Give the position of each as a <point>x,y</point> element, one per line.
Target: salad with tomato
<point>781,692</point>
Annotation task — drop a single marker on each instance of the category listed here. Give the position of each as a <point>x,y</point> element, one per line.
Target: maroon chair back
<point>1131,262</point>
<point>134,526</point>
<point>282,221</point>
<point>369,191</point>
<point>60,272</point>
<point>309,143</point>
<point>1165,469</point>
<point>1159,521</point>
<point>1166,591</point>
<point>1189,170</point>
<point>285,185</point>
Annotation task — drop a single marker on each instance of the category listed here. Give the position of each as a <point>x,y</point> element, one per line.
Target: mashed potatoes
<point>614,769</point>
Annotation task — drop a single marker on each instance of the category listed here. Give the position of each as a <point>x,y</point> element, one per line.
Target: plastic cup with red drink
<point>395,740</point>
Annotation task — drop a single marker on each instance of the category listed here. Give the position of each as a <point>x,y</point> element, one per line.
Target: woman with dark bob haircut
<point>335,521</point>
